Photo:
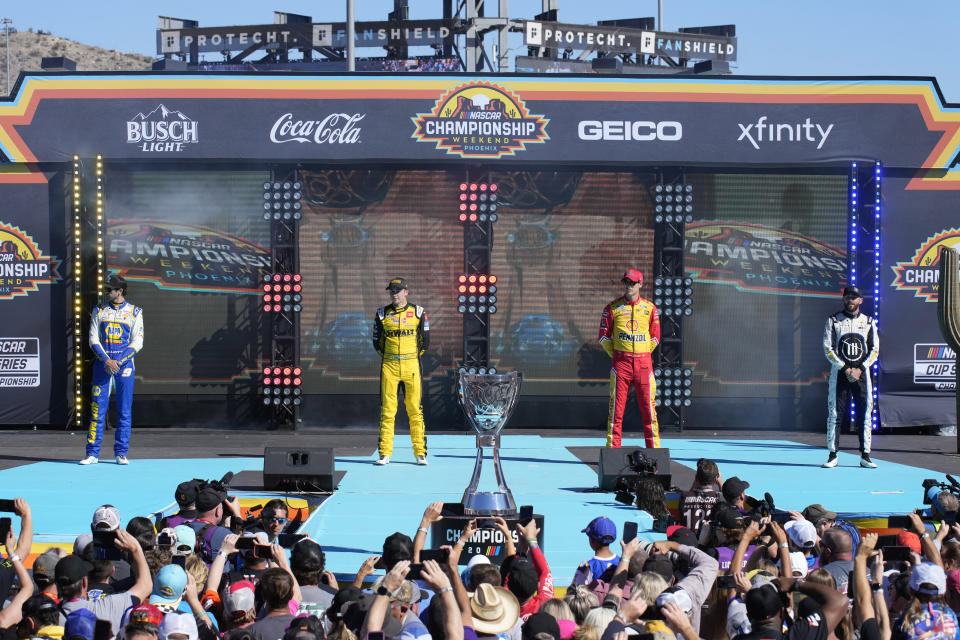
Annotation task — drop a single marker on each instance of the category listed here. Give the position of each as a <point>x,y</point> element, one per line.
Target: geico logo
<point>640,130</point>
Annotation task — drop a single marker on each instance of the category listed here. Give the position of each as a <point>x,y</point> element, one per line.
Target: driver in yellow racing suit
<point>401,334</point>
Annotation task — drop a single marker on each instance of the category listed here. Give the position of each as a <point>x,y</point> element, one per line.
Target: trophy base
<point>490,503</point>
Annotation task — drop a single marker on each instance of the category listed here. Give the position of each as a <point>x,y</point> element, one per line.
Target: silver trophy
<point>488,400</point>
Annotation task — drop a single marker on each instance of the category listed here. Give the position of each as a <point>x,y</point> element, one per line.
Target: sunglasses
<point>276,519</point>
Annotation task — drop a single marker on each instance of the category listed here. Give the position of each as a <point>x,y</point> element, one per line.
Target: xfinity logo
<point>640,130</point>
<point>162,130</point>
<point>763,131</point>
<point>336,128</point>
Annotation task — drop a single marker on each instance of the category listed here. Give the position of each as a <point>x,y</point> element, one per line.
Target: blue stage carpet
<point>372,502</point>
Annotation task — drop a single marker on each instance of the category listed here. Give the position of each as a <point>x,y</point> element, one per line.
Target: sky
<point>775,37</point>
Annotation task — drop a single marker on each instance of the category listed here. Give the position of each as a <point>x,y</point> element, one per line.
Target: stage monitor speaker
<point>298,468</point>
<point>615,462</point>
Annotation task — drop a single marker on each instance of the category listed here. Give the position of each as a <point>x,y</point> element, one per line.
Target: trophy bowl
<point>488,399</point>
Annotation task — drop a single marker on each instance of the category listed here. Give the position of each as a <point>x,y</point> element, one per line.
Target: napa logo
<point>480,120</point>
<point>921,274</point>
<point>22,263</point>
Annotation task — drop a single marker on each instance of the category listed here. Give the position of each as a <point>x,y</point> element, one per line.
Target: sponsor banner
<point>36,326</point>
<point>185,257</point>
<point>19,362</point>
<point>463,119</point>
<point>480,120</point>
<point>625,40</point>
<point>936,365</point>
<point>418,33</point>
<point>921,272</point>
<point>162,130</point>
<point>23,265</point>
<point>918,371</point>
<point>761,259</point>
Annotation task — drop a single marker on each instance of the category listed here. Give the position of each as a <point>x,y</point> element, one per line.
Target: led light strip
<point>876,286</point>
<point>99,223</point>
<point>77,301</point>
<point>852,252</point>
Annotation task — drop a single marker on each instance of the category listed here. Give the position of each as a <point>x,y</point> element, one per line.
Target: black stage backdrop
<point>34,357</point>
<point>768,258</point>
<point>767,253</point>
<point>193,246</point>
<point>918,379</point>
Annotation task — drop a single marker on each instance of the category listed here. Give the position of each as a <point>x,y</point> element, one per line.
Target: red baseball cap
<point>632,275</point>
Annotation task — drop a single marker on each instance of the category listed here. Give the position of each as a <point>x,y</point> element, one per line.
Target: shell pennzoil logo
<point>480,120</point>
<point>922,273</point>
<point>22,263</point>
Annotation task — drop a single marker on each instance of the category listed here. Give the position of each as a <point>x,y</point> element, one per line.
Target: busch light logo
<point>161,131</point>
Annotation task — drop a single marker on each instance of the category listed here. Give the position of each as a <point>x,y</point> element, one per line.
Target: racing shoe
<point>422,461</point>
<point>866,462</point>
<point>382,461</point>
<point>832,461</point>
<point>89,460</point>
<point>122,460</point>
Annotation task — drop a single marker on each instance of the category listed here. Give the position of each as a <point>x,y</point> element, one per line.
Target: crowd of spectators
<point>734,568</point>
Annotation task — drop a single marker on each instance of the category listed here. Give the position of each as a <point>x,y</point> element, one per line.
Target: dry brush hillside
<point>28,47</point>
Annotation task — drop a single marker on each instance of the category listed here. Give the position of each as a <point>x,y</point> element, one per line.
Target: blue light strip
<point>852,251</point>
<point>876,286</point>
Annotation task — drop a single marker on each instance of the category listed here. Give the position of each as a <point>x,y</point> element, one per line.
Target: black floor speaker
<point>617,462</point>
<point>298,468</point>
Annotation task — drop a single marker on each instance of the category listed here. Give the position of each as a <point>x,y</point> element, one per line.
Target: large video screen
<point>361,228</point>
<point>562,243</point>
<point>768,257</point>
<point>193,246</point>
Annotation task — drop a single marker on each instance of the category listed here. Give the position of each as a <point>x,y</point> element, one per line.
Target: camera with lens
<point>640,463</point>
<point>943,498</point>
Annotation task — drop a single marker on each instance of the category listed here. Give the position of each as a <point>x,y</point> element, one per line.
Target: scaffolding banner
<point>918,379</point>
<point>399,118</point>
<point>33,359</point>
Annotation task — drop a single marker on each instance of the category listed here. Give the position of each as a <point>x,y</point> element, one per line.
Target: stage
<point>555,471</point>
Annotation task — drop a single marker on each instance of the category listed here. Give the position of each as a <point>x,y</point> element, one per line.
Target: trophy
<point>488,400</point>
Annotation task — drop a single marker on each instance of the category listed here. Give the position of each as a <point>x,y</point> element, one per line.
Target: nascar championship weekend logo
<point>480,120</point>
<point>185,257</point>
<point>22,264</point>
<point>762,259</point>
<point>921,273</point>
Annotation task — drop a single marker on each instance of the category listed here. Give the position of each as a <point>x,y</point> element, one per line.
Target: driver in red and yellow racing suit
<point>629,332</point>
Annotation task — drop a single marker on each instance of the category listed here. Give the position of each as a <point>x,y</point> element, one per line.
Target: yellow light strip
<point>77,301</point>
<point>99,223</point>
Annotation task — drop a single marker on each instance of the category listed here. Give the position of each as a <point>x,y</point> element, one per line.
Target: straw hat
<point>494,609</point>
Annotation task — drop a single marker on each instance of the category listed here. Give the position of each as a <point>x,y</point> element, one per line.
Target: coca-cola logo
<point>336,128</point>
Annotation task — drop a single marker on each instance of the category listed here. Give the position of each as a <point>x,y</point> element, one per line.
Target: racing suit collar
<point>632,302</point>
<point>851,315</point>
<point>395,307</point>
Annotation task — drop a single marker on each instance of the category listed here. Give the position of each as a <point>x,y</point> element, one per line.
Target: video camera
<point>640,467</point>
<point>766,508</point>
<point>932,489</point>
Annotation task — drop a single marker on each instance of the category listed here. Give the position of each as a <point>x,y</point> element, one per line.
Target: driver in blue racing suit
<point>116,335</point>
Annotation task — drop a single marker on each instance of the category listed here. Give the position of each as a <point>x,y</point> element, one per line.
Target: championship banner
<point>33,359</point>
<point>399,118</point>
<point>918,369</point>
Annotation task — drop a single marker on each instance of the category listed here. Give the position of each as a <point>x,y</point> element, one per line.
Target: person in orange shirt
<point>629,332</point>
